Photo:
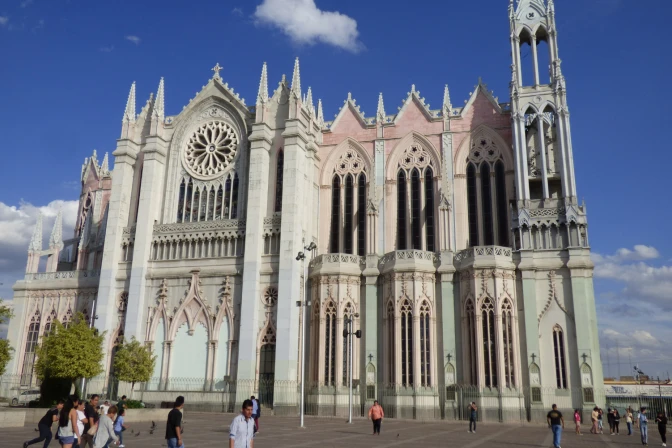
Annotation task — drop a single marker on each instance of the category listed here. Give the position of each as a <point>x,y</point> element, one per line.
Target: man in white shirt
<point>241,432</point>
<point>104,408</point>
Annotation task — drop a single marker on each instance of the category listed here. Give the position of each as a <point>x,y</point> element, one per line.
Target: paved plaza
<point>211,430</point>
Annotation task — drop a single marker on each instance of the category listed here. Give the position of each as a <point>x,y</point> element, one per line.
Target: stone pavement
<point>211,430</point>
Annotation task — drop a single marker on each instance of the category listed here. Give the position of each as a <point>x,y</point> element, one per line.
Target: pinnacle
<point>159,104</point>
<point>36,240</point>
<point>296,79</point>
<point>309,101</point>
<point>129,113</point>
<point>105,166</point>
<point>57,232</point>
<point>262,96</point>
<point>320,114</point>
<point>380,113</point>
<point>447,105</point>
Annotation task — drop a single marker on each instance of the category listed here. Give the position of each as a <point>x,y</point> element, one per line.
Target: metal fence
<point>282,398</point>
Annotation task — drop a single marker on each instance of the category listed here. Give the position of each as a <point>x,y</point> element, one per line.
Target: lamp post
<point>348,333</point>
<point>304,306</point>
<point>91,321</point>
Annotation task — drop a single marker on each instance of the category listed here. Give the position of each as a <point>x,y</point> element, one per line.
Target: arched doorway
<point>266,374</point>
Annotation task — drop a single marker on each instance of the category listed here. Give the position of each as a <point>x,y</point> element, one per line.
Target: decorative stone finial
<point>380,113</point>
<point>105,166</point>
<point>309,102</point>
<point>129,113</point>
<point>262,96</point>
<point>217,68</point>
<point>296,79</point>
<point>36,240</point>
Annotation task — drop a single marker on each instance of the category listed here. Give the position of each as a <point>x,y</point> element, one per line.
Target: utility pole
<point>348,333</point>
<point>304,307</point>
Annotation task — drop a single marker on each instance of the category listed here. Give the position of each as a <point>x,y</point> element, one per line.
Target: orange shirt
<point>376,412</point>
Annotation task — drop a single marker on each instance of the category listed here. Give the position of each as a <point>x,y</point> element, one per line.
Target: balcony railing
<point>483,251</point>
<point>62,275</point>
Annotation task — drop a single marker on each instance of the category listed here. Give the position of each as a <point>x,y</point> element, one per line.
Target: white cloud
<point>237,12</point>
<point>639,253</point>
<point>104,50</point>
<point>135,39</point>
<point>305,23</point>
<point>25,3</point>
<point>16,229</point>
<point>4,20</point>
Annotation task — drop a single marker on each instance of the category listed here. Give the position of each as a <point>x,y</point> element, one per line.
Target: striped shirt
<point>241,431</point>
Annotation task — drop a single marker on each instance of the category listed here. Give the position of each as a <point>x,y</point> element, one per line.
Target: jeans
<point>172,443</point>
<point>121,437</point>
<point>45,434</point>
<point>472,421</point>
<point>557,435</point>
<point>629,428</point>
<point>644,428</point>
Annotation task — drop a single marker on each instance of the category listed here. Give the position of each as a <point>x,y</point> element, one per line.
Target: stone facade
<point>451,237</point>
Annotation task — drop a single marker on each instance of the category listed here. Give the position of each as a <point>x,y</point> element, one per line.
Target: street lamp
<point>347,332</point>
<point>302,257</point>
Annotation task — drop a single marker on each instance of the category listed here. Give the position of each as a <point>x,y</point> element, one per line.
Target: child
<point>577,420</point>
<point>119,426</point>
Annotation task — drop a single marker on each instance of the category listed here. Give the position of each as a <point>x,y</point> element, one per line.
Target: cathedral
<point>235,240</point>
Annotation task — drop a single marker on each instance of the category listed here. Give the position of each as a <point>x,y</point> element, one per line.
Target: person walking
<point>81,421</point>
<point>67,422</point>
<point>577,421</point>
<point>628,420</point>
<point>122,403</point>
<point>643,426</point>
<point>241,431</point>
<point>174,425</point>
<point>256,412</point>
<point>600,424</point>
<point>610,420</point>
<point>594,416</point>
<point>119,426</point>
<point>105,407</point>
<point>44,426</point>
<point>473,416</point>
<point>92,420</point>
<point>557,424</point>
<point>376,415</point>
<point>617,421</point>
<point>662,427</point>
<point>105,434</point>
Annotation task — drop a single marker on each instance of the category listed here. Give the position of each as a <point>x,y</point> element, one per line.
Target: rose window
<point>270,297</point>
<point>211,149</point>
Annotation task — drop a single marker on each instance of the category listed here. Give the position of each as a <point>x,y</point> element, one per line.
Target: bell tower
<point>542,133</point>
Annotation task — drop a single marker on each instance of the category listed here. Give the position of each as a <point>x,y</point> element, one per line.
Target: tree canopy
<point>133,363</point>
<point>5,349</point>
<point>70,353</point>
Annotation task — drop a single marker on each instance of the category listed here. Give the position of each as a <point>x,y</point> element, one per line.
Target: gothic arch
<point>267,335</point>
<point>465,147</point>
<point>417,306</point>
<point>330,163</point>
<point>412,138</point>
<point>193,310</point>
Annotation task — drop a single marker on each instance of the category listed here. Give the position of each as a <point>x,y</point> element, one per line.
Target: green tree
<point>5,349</point>
<point>133,363</point>
<point>70,353</point>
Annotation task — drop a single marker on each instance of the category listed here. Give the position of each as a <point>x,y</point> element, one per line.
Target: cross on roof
<point>584,356</point>
<point>370,357</point>
<point>449,356</point>
<point>534,357</point>
<point>217,69</point>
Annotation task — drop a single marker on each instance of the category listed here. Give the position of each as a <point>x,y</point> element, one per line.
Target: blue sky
<point>68,65</point>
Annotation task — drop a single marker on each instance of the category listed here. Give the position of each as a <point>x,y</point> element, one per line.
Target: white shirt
<point>241,431</point>
<point>104,409</point>
<point>80,423</point>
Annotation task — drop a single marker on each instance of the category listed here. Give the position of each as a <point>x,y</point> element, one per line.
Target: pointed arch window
<point>330,344</point>
<point>207,202</point>
<point>180,201</point>
<point>234,199</point>
<point>429,209</point>
<point>560,358</point>
<point>406,344</point>
<point>29,350</point>
<point>486,195</point>
<point>401,210</point>
<point>361,215</point>
<point>416,228</point>
<point>489,343</point>
<point>425,345</point>
<point>391,351</point>
<point>335,214</point>
<point>348,214</point>
<point>471,341</point>
<point>507,341</point>
<point>278,180</point>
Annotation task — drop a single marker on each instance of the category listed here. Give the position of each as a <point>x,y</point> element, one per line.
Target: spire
<point>129,113</point>
<point>36,241</point>
<point>296,79</point>
<point>159,104</point>
<point>56,239</point>
<point>320,114</point>
<point>524,4</point>
<point>512,10</point>
<point>550,7</point>
<point>309,101</point>
<point>380,113</point>
<point>262,96</point>
<point>447,105</point>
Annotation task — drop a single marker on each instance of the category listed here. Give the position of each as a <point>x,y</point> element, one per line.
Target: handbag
<point>93,430</point>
